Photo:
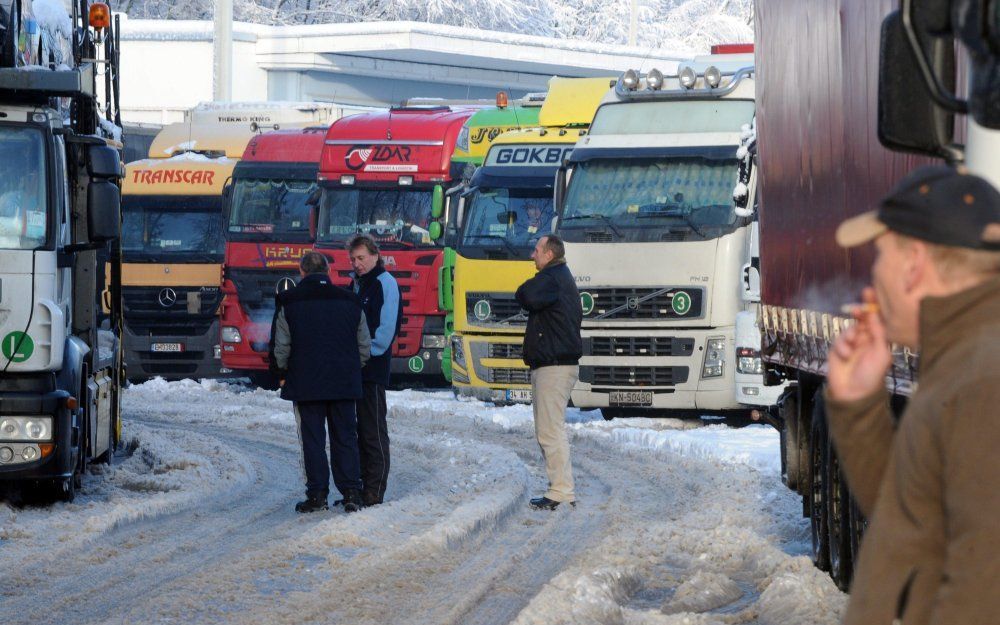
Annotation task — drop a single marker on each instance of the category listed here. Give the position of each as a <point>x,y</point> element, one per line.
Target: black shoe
<point>337,503</point>
<point>311,504</point>
<point>544,503</point>
<point>370,500</point>
<point>352,501</point>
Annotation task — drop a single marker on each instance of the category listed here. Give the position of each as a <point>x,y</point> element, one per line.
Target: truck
<point>657,218</point>
<point>173,246</point>
<point>61,369</point>
<point>268,230</point>
<point>876,93</point>
<point>474,140</point>
<point>385,174</point>
<point>503,211</point>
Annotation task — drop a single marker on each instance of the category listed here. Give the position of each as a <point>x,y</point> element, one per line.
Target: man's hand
<point>281,382</point>
<point>860,358</point>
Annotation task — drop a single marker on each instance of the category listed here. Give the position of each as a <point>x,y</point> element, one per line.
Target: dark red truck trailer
<point>823,104</point>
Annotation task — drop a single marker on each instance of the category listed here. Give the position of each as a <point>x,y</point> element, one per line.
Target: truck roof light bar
<point>623,91</point>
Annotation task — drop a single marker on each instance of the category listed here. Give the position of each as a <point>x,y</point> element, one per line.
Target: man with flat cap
<point>929,483</point>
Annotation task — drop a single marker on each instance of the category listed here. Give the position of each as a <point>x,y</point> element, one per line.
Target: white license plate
<point>631,398</point>
<point>167,347</point>
<point>520,395</point>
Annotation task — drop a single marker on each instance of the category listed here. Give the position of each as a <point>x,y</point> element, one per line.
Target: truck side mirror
<point>104,162</point>
<point>313,221</point>
<point>437,202</point>
<point>435,230</point>
<point>104,215</point>
<point>910,118</point>
<point>559,189</point>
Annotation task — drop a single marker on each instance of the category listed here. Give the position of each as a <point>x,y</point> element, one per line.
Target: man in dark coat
<point>383,307</point>
<point>552,349</point>
<point>319,342</point>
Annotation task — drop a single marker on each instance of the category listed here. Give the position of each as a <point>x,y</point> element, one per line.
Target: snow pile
<point>704,591</point>
<point>748,138</point>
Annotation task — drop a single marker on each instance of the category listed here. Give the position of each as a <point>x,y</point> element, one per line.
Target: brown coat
<point>931,486</point>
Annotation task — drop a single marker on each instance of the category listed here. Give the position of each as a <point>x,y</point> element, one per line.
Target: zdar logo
<point>360,155</point>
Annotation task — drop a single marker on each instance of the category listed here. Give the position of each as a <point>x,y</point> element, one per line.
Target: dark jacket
<point>554,317</point>
<point>931,485</point>
<point>319,341</point>
<point>379,295</point>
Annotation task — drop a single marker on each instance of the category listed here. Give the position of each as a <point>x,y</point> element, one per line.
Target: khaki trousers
<point>550,390</point>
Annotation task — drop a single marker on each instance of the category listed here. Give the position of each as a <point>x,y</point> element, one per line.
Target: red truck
<point>850,97</point>
<point>268,230</point>
<point>386,174</point>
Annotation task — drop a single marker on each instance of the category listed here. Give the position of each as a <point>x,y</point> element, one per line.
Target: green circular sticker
<point>482,310</point>
<point>681,303</point>
<point>587,301</point>
<point>17,347</point>
<point>416,364</point>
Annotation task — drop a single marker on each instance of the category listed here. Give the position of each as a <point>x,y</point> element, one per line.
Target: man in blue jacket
<point>319,343</point>
<point>379,295</point>
<point>552,349</point>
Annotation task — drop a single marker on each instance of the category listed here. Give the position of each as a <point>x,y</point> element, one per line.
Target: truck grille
<point>636,303</point>
<point>633,376</point>
<point>506,350</point>
<point>167,311</point>
<point>638,346</point>
<point>256,289</point>
<point>494,309</point>
<point>508,375</point>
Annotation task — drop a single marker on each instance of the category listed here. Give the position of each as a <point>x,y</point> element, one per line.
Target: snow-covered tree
<point>683,26</point>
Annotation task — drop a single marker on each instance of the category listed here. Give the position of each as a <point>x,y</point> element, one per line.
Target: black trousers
<point>373,442</point>
<point>315,418</point>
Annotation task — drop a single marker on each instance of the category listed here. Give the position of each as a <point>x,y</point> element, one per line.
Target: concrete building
<point>167,66</point>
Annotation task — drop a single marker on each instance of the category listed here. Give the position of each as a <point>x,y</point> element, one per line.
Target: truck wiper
<point>510,248</point>
<point>603,218</point>
<point>671,210</point>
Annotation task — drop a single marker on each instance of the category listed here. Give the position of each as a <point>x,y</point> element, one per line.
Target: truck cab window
<point>23,200</point>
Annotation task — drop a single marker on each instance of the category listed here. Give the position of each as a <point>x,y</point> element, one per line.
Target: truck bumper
<point>425,363</point>
<point>201,356</point>
<point>617,370</point>
<point>58,462</point>
<point>491,368</point>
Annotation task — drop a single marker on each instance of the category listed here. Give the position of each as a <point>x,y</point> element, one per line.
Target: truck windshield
<point>23,201</point>
<point>506,220</point>
<point>268,209</point>
<point>172,228</point>
<point>399,216</point>
<point>650,199</point>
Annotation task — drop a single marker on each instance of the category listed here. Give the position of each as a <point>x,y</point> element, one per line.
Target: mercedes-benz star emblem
<point>284,284</point>
<point>167,297</point>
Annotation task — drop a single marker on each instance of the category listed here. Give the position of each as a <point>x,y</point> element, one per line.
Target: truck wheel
<point>65,488</point>
<point>817,491</point>
<point>790,440</point>
<point>838,519</point>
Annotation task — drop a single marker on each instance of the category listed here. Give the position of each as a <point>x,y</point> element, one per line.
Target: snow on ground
<point>676,522</point>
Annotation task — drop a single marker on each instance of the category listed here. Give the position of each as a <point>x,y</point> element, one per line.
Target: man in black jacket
<point>552,348</point>
<point>383,307</point>
<point>319,342</point>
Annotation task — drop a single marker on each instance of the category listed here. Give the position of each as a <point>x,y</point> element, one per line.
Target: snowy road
<point>677,523</point>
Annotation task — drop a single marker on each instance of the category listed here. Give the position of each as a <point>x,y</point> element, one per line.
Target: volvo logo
<point>283,285</point>
<point>632,303</point>
<point>167,297</point>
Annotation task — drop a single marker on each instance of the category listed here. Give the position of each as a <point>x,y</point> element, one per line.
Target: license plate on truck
<point>167,347</point>
<point>631,398</point>
<point>520,395</point>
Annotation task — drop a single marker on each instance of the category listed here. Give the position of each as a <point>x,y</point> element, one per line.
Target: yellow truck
<point>506,207</point>
<point>172,247</point>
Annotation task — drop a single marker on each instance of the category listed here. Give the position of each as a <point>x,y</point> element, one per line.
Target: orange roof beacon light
<point>100,16</point>
<point>502,100</point>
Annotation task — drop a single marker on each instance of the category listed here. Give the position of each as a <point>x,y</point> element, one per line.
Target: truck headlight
<point>748,361</point>
<point>26,429</point>
<point>433,341</point>
<point>231,334</point>
<point>715,358</point>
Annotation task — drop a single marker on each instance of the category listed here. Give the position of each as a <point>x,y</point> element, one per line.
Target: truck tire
<point>817,492</point>
<point>789,408</point>
<point>838,518</point>
<point>65,489</point>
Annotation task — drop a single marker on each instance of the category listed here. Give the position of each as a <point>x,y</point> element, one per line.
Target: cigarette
<point>859,308</point>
